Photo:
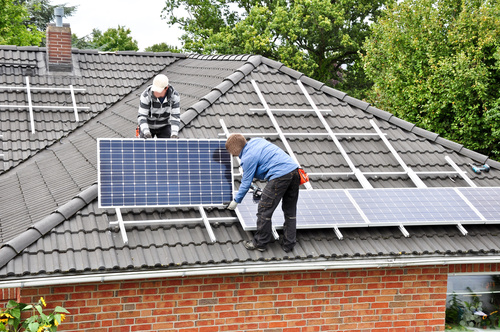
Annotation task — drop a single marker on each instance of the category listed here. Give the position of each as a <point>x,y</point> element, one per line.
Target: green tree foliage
<point>437,64</point>
<point>111,40</point>
<point>163,47</point>
<point>13,27</point>
<point>320,38</point>
<point>81,43</point>
<point>41,12</point>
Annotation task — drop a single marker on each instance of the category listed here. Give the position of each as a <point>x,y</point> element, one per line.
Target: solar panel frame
<point>137,173</point>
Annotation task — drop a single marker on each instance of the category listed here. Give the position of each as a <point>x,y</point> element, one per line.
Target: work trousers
<point>286,190</point>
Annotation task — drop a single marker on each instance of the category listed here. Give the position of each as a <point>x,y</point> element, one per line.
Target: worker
<point>265,161</point>
<point>159,110</point>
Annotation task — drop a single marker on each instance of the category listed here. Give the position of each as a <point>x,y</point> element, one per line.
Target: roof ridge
<point>227,83</point>
<point>220,57</point>
<point>15,246</point>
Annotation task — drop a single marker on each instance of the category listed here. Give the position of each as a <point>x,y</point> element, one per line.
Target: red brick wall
<point>59,44</point>
<point>359,300</point>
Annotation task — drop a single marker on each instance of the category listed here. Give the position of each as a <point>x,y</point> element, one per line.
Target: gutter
<point>245,269</point>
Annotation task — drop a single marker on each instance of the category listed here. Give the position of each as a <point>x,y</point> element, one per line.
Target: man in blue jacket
<point>266,161</point>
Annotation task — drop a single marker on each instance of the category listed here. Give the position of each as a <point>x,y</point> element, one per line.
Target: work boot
<point>250,246</point>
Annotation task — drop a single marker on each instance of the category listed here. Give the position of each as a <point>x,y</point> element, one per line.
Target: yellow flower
<point>44,328</point>
<point>56,322</point>
<point>43,302</point>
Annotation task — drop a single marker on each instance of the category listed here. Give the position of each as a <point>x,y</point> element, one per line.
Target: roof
<point>51,225</point>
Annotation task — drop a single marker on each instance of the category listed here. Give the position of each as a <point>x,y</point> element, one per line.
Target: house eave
<point>325,265</point>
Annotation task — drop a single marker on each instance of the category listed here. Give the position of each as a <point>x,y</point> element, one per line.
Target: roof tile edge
<point>13,247</point>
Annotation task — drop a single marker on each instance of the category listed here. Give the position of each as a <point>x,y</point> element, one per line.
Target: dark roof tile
<point>79,238</point>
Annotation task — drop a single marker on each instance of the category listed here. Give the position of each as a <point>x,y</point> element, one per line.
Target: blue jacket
<point>264,161</point>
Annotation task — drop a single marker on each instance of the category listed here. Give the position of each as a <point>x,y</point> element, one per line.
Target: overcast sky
<point>141,17</point>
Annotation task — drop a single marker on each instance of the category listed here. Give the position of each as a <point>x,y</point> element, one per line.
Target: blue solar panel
<point>412,206</point>
<point>164,172</point>
<point>385,207</point>
<point>315,209</point>
<point>486,200</point>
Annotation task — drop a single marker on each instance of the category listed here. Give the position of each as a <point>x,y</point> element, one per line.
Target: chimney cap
<point>59,13</point>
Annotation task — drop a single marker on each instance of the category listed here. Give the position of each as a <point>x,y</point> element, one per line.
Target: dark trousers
<point>286,190</point>
<point>163,132</point>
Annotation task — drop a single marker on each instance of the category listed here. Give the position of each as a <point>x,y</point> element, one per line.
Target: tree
<point>41,12</point>
<point>82,43</point>
<point>320,38</point>
<point>163,47</point>
<point>13,29</point>
<point>118,39</point>
<point>436,63</point>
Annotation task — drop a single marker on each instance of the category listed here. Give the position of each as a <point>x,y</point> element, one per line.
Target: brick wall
<point>359,300</point>
<point>59,47</point>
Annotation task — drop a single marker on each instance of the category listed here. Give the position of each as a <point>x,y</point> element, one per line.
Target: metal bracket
<point>404,231</point>
<point>203,219</point>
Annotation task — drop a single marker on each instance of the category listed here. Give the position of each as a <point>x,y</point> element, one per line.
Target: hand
<point>147,134</point>
<point>174,136</point>
<point>232,205</point>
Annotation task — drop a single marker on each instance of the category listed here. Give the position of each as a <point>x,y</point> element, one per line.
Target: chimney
<point>59,44</point>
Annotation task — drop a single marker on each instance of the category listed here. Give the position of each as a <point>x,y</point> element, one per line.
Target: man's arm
<point>143,113</point>
<point>175,114</point>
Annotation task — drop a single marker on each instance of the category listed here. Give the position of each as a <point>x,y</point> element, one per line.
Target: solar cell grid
<point>159,172</point>
<point>384,206</point>
<point>413,206</point>
<point>485,200</point>
<point>315,209</point>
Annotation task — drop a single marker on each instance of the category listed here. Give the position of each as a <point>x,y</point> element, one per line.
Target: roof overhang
<point>325,265</point>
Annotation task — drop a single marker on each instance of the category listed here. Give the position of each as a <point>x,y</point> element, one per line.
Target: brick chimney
<point>59,44</point>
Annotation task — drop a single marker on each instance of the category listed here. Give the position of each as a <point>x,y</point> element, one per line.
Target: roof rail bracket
<point>404,231</point>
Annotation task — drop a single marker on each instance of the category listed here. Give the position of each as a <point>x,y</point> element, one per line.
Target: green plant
<point>473,312</point>
<point>11,318</point>
<point>455,310</point>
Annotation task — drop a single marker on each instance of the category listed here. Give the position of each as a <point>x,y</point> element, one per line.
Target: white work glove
<point>232,205</point>
<point>147,134</point>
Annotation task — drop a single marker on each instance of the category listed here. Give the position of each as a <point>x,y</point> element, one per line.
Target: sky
<point>141,17</point>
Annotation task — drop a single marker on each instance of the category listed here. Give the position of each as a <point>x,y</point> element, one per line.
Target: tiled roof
<point>50,221</point>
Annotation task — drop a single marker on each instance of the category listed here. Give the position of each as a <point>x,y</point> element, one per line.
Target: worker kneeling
<point>265,161</point>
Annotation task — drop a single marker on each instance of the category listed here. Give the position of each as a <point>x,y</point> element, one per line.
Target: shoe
<point>285,249</point>
<point>250,246</point>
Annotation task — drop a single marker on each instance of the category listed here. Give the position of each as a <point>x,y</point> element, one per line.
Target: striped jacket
<point>154,114</point>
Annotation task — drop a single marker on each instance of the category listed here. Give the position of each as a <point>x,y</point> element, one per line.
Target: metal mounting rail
<point>359,175</point>
<point>203,219</point>
<point>278,129</point>
<point>31,107</point>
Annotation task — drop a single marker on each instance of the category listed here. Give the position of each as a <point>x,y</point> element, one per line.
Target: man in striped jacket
<point>159,110</point>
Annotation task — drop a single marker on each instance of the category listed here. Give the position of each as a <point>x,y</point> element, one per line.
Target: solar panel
<point>315,209</point>
<point>163,172</point>
<point>486,200</point>
<point>413,206</point>
<point>385,207</point>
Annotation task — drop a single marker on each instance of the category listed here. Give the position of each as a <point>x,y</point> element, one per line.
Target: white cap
<point>160,83</point>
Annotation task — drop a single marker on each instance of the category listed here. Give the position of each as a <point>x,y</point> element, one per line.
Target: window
<point>473,301</point>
